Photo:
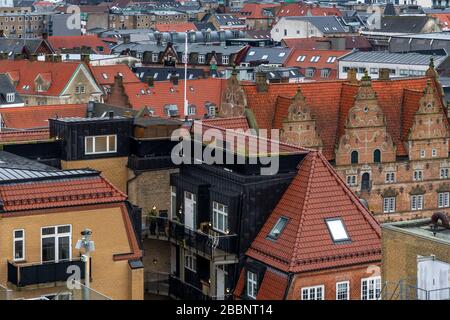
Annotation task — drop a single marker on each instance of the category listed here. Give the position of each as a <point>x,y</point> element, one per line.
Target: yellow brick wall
<point>113,169</point>
<point>108,232</point>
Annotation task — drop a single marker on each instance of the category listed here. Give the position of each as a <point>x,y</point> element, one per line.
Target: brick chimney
<point>48,57</point>
<point>174,79</point>
<point>118,80</point>
<point>44,35</point>
<point>18,56</point>
<point>351,75</point>
<point>261,81</point>
<point>384,74</point>
<point>85,58</point>
<point>2,33</point>
<point>3,55</point>
<point>33,57</point>
<point>150,81</point>
<point>57,58</point>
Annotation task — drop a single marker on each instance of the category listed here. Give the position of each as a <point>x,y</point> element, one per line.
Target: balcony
<point>25,274</point>
<point>207,245</point>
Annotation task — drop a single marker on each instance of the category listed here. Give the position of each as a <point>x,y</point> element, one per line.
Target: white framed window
<point>417,202</point>
<point>418,175</point>
<point>19,245</point>
<point>56,243</point>
<point>173,202</point>
<point>337,229</point>
<point>201,58</point>
<point>190,261</point>
<point>225,59</point>
<point>252,284</point>
<point>434,153</point>
<point>80,89</point>
<point>313,293</point>
<point>343,290</point>
<point>443,173</point>
<point>370,288</point>
<point>422,153</point>
<point>324,73</point>
<point>389,204</point>
<point>155,57</point>
<point>220,217</point>
<point>10,97</point>
<point>191,110</point>
<point>352,180</point>
<point>390,177</point>
<point>100,144</point>
<point>443,199</point>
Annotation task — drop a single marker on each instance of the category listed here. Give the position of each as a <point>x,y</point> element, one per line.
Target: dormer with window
<point>42,82</point>
<point>10,97</point>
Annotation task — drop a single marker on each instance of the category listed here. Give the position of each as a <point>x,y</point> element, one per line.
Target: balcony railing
<point>163,228</point>
<point>24,274</point>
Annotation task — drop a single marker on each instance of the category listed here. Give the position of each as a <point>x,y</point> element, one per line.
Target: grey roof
<point>275,55</point>
<point>327,24</point>
<point>431,36</point>
<point>394,58</point>
<point>14,168</point>
<point>7,87</point>
<point>164,73</point>
<point>403,24</point>
<point>16,45</point>
<point>228,20</point>
<point>84,119</point>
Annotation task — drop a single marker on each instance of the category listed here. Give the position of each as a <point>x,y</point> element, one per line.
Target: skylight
<point>301,58</point>
<point>105,76</point>
<point>251,53</point>
<point>337,229</point>
<point>264,57</point>
<point>282,54</point>
<point>278,228</point>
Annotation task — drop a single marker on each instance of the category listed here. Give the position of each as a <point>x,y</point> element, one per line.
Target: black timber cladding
<point>72,132</point>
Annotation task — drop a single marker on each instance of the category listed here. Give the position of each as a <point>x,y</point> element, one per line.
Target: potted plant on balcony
<point>152,220</point>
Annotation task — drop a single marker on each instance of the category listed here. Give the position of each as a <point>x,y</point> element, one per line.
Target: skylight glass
<point>278,228</point>
<point>337,229</point>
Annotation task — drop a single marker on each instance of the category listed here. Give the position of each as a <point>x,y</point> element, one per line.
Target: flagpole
<point>185,74</point>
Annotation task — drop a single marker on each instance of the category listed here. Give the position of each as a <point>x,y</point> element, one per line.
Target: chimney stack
<point>57,58</point>
<point>351,75</point>
<point>261,81</point>
<point>48,57</point>
<point>111,114</point>
<point>150,81</point>
<point>174,79</point>
<point>3,56</point>
<point>44,35</point>
<point>85,58</point>
<point>33,57</point>
<point>2,33</point>
<point>18,56</point>
<point>126,38</point>
<point>384,74</point>
<point>118,80</point>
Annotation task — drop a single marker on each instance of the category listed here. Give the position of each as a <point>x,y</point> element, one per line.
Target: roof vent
<point>111,114</point>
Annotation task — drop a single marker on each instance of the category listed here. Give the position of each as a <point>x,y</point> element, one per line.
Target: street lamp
<point>88,246</point>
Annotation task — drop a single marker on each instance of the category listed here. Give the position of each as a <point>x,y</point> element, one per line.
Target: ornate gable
<point>234,101</point>
<point>299,128</point>
<point>365,130</point>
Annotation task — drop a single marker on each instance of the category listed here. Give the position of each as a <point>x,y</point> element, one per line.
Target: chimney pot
<point>384,74</point>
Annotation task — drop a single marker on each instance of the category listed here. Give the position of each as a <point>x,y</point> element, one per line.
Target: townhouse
<point>49,82</point>
<point>319,243</point>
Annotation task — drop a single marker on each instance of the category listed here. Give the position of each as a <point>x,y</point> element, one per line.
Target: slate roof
<point>17,45</point>
<point>274,55</point>
<point>410,58</point>
<point>317,193</point>
<point>6,87</point>
<point>403,24</point>
<point>326,24</point>
<point>163,73</point>
<point>226,20</point>
<point>176,27</point>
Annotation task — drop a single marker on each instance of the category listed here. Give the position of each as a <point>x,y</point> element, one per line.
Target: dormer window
<point>278,228</point>
<point>10,97</point>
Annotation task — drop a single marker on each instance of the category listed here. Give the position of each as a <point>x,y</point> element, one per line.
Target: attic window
<point>282,54</point>
<point>105,76</point>
<point>337,229</point>
<point>264,57</point>
<point>10,97</point>
<point>331,59</point>
<point>277,228</point>
<point>301,58</point>
<point>251,53</point>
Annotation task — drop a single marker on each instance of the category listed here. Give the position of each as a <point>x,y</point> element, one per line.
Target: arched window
<point>377,156</point>
<point>354,157</point>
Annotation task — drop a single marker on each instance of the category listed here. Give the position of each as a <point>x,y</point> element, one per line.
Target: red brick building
<point>319,243</point>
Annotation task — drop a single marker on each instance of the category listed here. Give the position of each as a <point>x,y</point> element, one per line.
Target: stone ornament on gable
<point>417,190</point>
<point>389,193</point>
<point>234,100</point>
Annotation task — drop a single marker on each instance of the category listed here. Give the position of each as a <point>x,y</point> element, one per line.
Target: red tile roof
<point>325,11</point>
<point>31,117</point>
<point>330,102</point>
<point>22,136</point>
<point>25,72</point>
<point>443,19</point>
<point>77,42</point>
<point>228,123</point>
<point>273,286</point>
<point>292,10</point>
<point>255,10</point>
<point>175,27</point>
<point>163,93</point>
<point>328,59</point>
<point>58,193</point>
<point>104,75</point>
<point>317,193</point>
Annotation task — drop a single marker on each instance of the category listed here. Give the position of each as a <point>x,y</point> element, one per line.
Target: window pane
<point>64,229</point>
<point>18,249</point>
<point>18,234</point>
<point>48,249</point>
<point>112,143</point>
<point>100,144</point>
<point>47,231</point>
<point>64,248</point>
<point>89,148</point>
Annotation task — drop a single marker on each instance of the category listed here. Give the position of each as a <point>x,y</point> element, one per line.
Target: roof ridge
<point>313,155</point>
